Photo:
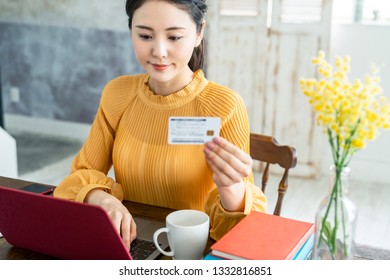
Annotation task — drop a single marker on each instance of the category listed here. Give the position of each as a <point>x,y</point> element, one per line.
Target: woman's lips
<point>160,67</point>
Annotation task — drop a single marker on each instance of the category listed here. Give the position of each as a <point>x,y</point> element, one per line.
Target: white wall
<point>366,44</point>
<point>8,158</point>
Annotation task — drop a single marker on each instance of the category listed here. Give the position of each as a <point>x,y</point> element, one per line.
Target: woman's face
<point>164,38</point>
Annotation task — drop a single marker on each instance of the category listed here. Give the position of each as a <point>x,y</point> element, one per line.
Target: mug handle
<point>155,237</point>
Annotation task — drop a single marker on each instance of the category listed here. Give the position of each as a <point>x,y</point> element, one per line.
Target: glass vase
<point>335,220</point>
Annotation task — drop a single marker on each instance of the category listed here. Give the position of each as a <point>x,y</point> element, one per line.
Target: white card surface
<point>192,130</point>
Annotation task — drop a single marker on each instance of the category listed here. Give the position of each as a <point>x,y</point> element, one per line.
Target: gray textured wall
<point>60,67</point>
<point>100,14</point>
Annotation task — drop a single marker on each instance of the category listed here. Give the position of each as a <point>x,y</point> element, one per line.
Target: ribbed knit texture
<point>130,131</point>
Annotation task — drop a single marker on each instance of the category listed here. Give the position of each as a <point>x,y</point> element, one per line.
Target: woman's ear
<point>200,34</point>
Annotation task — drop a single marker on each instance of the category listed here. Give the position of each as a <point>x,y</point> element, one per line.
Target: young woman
<point>130,130</point>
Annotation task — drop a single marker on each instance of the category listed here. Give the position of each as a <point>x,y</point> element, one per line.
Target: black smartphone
<point>37,188</point>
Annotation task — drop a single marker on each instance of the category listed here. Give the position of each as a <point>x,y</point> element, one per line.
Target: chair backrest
<point>267,150</point>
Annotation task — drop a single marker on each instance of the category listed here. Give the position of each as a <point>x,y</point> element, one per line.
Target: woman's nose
<point>160,49</point>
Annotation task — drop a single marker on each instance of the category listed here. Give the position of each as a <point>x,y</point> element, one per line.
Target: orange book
<point>261,236</point>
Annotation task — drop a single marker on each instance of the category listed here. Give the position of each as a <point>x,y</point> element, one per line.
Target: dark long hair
<point>195,8</point>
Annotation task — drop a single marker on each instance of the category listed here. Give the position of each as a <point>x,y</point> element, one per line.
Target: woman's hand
<point>118,213</point>
<point>230,166</point>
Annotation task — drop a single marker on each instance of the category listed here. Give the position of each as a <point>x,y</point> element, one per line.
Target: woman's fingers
<point>229,163</point>
<point>133,231</point>
<point>118,213</point>
<point>126,229</point>
<point>228,151</point>
<point>229,154</point>
<point>224,174</point>
<point>125,225</point>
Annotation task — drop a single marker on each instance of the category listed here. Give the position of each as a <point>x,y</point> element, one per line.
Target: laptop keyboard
<point>141,249</point>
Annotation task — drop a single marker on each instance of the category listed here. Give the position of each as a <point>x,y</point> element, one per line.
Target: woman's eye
<point>175,38</point>
<point>145,36</point>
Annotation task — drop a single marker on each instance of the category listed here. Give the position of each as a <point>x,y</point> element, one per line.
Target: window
<point>301,11</point>
<point>361,11</point>
<point>239,8</point>
<point>343,11</point>
<point>292,11</point>
<point>376,11</point>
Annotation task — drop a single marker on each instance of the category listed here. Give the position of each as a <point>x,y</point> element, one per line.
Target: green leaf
<point>326,231</point>
<point>333,238</point>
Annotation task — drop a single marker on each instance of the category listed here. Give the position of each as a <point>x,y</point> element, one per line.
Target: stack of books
<point>262,236</point>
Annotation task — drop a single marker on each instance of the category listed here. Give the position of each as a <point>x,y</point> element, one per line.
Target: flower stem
<point>329,241</point>
<point>341,153</point>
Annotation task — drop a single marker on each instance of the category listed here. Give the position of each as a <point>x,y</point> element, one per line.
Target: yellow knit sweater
<point>130,133</point>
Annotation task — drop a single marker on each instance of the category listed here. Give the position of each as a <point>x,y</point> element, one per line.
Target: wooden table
<point>8,252</point>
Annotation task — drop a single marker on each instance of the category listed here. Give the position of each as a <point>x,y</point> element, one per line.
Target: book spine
<point>305,250</point>
<point>300,243</point>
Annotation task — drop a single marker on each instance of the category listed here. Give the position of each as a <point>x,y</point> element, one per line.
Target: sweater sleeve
<point>234,128</point>
<point>222,221</point>
<point>94,160</point>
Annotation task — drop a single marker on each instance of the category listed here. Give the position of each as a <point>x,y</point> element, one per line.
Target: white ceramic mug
<point>188,232</point>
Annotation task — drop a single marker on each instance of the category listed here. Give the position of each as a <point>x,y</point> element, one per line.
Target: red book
<point>261,236</point>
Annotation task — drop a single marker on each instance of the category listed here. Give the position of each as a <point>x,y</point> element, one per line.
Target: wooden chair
<point>267,150</point>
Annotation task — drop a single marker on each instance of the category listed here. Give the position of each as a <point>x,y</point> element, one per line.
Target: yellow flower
<point>338,62</point>
<point>315,60</point>
<point>358,143</point>
<point>349,112</point>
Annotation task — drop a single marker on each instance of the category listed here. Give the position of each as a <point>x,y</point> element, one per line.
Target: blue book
<point>306,249</point>
<point>210,257</point>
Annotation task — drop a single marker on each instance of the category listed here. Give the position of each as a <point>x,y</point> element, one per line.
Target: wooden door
<point>236,50</point>
<point>260,49</point>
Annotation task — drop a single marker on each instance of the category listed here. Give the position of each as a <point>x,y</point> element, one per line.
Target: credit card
<point>192,130</point>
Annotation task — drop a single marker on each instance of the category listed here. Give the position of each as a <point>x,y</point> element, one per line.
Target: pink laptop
<point>64,229</point>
